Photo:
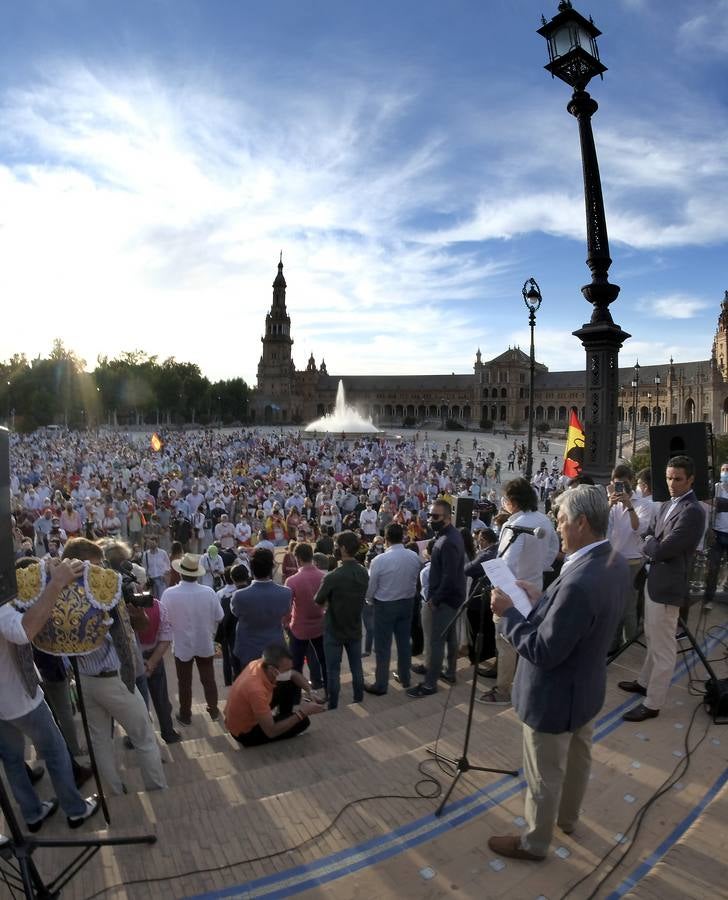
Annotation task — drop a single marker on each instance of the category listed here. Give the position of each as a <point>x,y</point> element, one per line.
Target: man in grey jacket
<point>561,677</point>
<point>678,530</point>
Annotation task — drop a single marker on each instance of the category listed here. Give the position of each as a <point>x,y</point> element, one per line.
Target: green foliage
<point>132,389</point>
<point>541,427</point>
<point>486,424</point>
<point>453,425</point>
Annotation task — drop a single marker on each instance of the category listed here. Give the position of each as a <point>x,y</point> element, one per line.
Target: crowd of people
<point>282,553</point>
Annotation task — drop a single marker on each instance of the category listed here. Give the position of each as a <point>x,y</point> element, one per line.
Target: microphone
<point>537,532</point>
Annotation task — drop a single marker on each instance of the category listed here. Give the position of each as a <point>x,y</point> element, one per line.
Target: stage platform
<point>228,822</point>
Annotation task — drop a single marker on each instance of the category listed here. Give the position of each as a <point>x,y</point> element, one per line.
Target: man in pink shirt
<point>306,625</point>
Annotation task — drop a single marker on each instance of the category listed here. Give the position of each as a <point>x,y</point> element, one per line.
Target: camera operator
<point>107,677</point>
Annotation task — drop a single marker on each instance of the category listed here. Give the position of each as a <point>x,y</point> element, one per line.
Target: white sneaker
<point>92,807</point>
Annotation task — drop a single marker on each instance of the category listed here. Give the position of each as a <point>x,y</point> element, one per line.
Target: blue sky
<point>413,160</point>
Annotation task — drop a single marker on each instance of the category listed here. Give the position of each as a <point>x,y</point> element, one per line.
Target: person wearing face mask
<point>214,567</point>
<point>719,545</point>
<point>260,705</point>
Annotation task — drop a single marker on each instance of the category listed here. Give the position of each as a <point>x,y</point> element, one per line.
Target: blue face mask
<point>724,477</point>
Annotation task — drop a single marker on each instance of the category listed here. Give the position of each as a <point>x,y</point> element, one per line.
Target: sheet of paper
<point>500,576</point>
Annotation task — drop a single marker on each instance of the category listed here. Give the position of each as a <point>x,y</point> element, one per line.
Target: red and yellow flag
<point>574,450</point>
<point>156,443</point>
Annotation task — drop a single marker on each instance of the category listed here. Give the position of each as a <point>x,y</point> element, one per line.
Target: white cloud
<point>706,31</point>
<point>677,306</point>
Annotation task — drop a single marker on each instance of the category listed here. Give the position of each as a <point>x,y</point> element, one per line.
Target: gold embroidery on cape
<point>29,586</point>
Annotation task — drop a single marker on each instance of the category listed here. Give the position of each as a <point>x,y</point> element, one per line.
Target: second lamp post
<point>532,298</point>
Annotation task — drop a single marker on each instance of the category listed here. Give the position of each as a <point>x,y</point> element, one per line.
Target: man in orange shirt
<point>263,685</point>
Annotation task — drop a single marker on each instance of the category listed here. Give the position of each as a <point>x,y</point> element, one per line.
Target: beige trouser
<point>507,659</point>
<point>556,767</point>
<point>659,664</point>
<point>107,698</point>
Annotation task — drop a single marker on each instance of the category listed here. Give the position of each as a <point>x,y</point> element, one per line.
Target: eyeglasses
<point>434,518</point>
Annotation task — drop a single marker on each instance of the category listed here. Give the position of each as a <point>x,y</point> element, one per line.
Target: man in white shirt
<point>193,611</point>
<point>225,532</point>
<point>527,557</point>
<point>243,531</point>
<point>156,564</point>
<point>628,519</point>
<point>392,589</point>
<point>368,520</point>
<point>24,712</point>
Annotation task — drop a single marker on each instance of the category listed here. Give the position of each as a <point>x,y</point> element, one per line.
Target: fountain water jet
<point>344,418</point>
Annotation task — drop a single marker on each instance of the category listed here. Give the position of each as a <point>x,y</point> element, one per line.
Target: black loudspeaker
<point>464,507</point>
<point>693,439</point>
<point>8,584</point>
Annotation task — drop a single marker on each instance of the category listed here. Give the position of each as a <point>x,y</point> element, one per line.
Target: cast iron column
<point>601,337</point>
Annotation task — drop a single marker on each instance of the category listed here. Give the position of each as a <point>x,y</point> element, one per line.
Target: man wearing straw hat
<point>193,611</point>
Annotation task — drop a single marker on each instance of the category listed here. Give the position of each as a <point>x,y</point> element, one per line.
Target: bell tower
<point>720,341</point>
<point>276,369</point>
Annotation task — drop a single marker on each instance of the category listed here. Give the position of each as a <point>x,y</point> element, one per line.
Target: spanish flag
<point>156,443</point>
<point>574,450</point>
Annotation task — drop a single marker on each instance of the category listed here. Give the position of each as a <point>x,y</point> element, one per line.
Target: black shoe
<point>420,690</point>
<point>640,713</point>
<point>182,720</point>
<point>173,738</point>
<point>48,808</point>
<point>632,687</point>
<point>92,807</point>
<point>489,672</point>
<point>419,669</point>
<point>214,714</point>
<point>373,689</point>
<point>35,773</point>
<point>449,679</point>
<point>405,684</point>
<point>81,775</point>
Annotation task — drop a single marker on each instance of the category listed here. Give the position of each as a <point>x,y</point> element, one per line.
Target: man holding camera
<point>110,693</point>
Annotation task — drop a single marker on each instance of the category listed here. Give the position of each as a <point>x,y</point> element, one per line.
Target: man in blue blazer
<point>260,610</point>
<point>678,530</point>
<point>561,677</point>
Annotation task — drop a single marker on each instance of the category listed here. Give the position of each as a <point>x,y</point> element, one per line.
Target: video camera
<point>144,599</point>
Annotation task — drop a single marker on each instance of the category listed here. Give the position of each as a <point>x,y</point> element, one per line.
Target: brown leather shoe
<point>640,713</point>
<point>510,845</point>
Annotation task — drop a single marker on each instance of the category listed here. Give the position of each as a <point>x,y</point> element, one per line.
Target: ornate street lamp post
<point>622,392</point>
<point>635,398</point>
<point>532,299</point>
<point>574,58</point>
<point>658,415</point>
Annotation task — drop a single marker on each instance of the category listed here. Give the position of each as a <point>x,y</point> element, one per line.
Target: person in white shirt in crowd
<point>157,566</point>
<point>718,549</point>
<point>425,612</point>
<point>368,520</point>
<point>225,532</point>
<point>629,519</point>
<point>199,518</point>
<point>214,567</point>
<point>193,612</point>
<point>243,531</point>
<point>527,557</point>
<point>195,499</point>
<point>392,589</point>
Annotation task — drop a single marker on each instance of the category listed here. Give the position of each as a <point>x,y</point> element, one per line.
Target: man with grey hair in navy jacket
<point>561,678</point>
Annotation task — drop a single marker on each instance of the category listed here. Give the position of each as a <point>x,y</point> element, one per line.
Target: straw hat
<point>189,565</point>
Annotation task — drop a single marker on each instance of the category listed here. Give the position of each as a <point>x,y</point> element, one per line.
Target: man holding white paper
<point>560,683</point>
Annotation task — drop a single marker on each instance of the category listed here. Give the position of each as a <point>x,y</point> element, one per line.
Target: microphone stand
<point>462,763</point>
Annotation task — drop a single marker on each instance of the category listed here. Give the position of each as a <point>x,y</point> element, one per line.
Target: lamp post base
<point>602,343</point>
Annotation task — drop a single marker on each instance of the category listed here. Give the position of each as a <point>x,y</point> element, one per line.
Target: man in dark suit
<point>561,677</point>
<point>678,530</point>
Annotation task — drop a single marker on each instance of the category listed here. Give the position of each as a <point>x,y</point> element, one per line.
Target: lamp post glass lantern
<point>532,298</point>
<point>574,58</point>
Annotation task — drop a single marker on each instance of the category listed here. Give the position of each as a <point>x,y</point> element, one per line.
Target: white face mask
<point>284,676</point>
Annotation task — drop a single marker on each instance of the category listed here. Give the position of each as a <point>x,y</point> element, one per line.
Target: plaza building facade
<point>495,392</point>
